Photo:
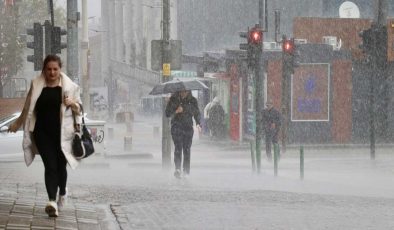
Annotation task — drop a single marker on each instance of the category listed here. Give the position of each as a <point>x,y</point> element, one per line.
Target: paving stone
<point>86,226</point>
<point>66,224</point>
<point>23,209</point>
<point>42,228</point>
<point>22,221</point>
<point>6,208</point>
<point>87,220</point>
<point>17,228</point>
<point>86,215</point>
<point>24,201</point>
<point>3,220</point>
<point>67,212</point>
<point>43,222</point>
<point>72,218</point>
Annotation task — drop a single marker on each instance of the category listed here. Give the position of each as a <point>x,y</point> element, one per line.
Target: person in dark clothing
<point>271,121</point>
<point>216,118</point>
<point>48,127</point>
<point>182,107</point>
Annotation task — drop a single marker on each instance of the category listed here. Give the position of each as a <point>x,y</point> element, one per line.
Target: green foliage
<point>37,11</point>
<point>11,45</point>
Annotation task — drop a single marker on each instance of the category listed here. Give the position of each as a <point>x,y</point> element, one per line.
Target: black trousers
<point>54,162</point>
<point>183,141</point>
<point>271,137</point>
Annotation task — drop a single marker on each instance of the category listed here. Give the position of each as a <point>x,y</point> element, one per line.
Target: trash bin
<point>97,131</point>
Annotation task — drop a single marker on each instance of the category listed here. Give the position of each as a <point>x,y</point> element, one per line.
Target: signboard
<point>166,69</point>
<point>310,93</point>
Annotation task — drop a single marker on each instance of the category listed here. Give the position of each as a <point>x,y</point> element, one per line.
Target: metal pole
<point>372,115</point>
<point>252,155</point>
<point>277,25</point>
<point>380,16</point>
<point>259,80</point>
<point>51,12</point>
<point>166,139</point>
<point>72,40</point>
<point>380,19</point>
<point>84,57</point>
<point>302,162</point>
<point>276,158</point>
<point>263,15</point>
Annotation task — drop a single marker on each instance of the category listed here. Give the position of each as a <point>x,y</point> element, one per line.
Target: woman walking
<point>48,122</point>
<point>182,107</point>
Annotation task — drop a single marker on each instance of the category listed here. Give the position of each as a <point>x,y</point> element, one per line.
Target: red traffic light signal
<point>288,46</point>
<point>256,36</point>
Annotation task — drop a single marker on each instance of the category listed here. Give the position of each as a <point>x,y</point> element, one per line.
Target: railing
<point>135,72</point>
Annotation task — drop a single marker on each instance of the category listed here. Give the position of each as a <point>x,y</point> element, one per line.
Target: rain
<point>223,114</point>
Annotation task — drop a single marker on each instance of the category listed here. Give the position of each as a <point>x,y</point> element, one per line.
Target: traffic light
<point>36,45</point>
<point>290,55</point>
<point>53,39</point>
<point>254,45</point>
<point>57,44</point>
<point>256,36</point>
<point>48,37</point>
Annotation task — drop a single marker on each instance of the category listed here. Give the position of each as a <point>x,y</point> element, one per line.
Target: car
<point>11,143</point>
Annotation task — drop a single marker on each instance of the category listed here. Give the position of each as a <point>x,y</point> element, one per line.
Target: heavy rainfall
<point>224,114</point>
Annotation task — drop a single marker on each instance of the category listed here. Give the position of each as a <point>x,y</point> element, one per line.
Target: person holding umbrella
<point>182,107</point>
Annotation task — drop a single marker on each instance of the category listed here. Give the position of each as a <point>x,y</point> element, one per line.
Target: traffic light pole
<point>166,136</point>
<point>286,75</point>
<point>259,100</point>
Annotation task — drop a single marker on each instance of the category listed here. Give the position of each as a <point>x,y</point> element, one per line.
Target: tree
<point>15,17</point>
<point>11,46</point>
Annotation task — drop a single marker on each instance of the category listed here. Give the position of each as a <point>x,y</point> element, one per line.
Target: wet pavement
<point>128,189</point>
<point>22,206</point>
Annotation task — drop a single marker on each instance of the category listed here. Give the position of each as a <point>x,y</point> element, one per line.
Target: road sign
<point>166,69</point>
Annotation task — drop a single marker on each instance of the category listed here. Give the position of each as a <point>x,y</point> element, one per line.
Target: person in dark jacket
<point>182,107</point>
<point>271,121</point>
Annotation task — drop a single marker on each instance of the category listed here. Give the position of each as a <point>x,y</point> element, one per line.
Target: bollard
<point>156,131</point>
<point>110,133</point>
<point>128,140</point>
<point>252,154</point>
<point>276,156</point>
<point>302,162</point>
<point>258,156</point>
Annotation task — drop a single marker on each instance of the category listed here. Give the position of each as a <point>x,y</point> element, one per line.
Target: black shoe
<point>177,174</point>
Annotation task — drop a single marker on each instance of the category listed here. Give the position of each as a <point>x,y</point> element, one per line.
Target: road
<point>342,188</point>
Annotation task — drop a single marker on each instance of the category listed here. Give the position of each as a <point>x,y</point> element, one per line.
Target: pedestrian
<point>47,118</point>
<point>206,117</point>
<point>216,118</point>
<point>182,108</point>
<point>271,121</point>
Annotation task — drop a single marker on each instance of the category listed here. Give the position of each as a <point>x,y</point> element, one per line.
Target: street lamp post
<point>166,139</point>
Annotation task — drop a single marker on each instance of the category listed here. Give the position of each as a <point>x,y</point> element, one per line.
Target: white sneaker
<point>51,209</point>
<point>62,200</point>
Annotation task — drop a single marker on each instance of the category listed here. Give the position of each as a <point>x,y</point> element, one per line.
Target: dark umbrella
<point>177,85</point>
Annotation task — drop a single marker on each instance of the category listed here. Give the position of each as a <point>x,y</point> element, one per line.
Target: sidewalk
<point>22,207</point>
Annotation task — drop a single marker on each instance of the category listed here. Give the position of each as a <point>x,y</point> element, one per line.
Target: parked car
<point>11,143</point>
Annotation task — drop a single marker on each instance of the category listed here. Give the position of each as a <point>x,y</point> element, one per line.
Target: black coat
<point>271,116</point>
<point>190,109</point>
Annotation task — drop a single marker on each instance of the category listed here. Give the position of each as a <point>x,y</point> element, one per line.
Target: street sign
<point>166,69</point>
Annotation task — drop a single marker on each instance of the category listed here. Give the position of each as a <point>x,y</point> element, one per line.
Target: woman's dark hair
<point>49,58</point>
